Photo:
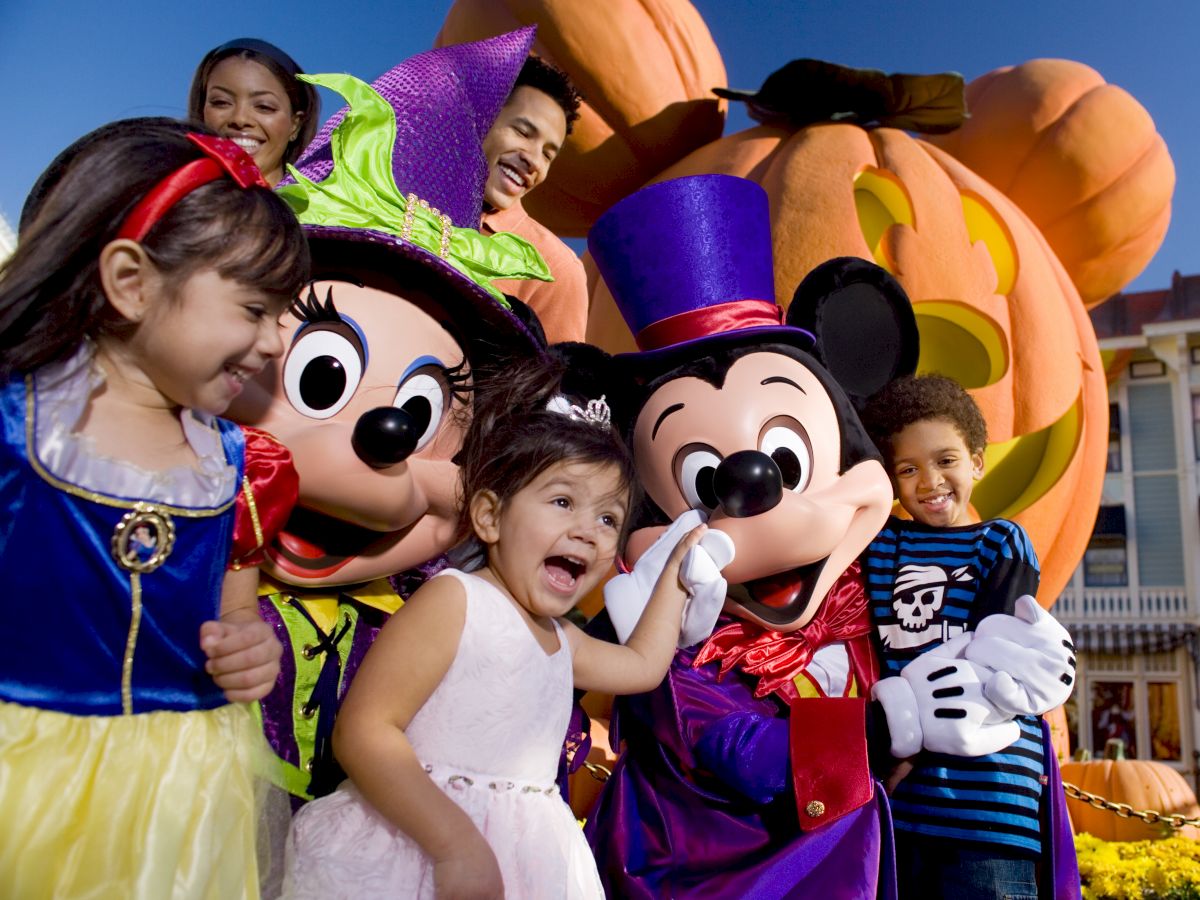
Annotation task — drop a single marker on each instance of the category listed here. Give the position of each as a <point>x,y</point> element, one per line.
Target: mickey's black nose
<point>748,483</point>
<point>384,436</point>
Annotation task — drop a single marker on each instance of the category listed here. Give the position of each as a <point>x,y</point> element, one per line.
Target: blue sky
<point>67,66</point>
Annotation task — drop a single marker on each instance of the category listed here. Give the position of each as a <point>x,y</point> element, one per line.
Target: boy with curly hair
<point>965,826</point>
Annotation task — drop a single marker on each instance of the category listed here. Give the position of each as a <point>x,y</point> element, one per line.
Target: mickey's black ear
<point>863,322</point>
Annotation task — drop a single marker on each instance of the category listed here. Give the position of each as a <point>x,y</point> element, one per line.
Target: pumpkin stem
<point>808,91</point>
<point>1114,748</point>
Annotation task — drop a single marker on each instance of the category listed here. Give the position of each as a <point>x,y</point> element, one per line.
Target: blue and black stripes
<point>983,800</point>
<point>927,585</point>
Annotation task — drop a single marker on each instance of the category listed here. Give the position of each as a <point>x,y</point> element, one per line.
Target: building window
<point>1195,425</point>
<point>1105,562</point>
<point>1195,354</point>
<point>1162,701</point>
<point>1114,434</point>
<point>1139,697</point>
<point>1147,368</point>
<point>1114,716</point>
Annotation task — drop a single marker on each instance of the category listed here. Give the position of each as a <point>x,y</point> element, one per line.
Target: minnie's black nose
<point>748,483</point>
<point>384,436</point>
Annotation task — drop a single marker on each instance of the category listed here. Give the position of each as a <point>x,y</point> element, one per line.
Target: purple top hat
<point>688,262</point>
<point>400,174</point>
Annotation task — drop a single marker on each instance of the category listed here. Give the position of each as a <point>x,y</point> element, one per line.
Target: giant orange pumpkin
<point>1080,157</point>
<point>1143,785</point>
<point>995,307</point>
<point>645,69</point>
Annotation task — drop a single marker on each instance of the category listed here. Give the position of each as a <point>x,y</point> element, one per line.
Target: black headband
<point>263,49</point>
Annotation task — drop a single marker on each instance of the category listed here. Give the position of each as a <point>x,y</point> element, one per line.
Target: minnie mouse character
<point>372,393</point>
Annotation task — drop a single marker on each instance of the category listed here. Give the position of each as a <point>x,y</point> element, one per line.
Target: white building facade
<point>1133,605</point>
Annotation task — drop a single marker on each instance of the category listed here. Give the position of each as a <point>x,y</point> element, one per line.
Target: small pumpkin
<point>995,307</point>
<point>645,69</point>
<point>1080,157</point>
<point>1141,784</point>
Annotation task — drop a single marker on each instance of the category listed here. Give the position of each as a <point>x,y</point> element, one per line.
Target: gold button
<point>308,766</point>
<point>815,809</point>
<point>309,651</point>
<point>307,712</point>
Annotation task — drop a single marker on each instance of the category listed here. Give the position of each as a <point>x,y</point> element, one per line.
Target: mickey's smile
<point>779,599</point>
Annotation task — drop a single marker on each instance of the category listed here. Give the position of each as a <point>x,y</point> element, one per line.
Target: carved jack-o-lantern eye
<point>984,225</point>
<point>881,202</point>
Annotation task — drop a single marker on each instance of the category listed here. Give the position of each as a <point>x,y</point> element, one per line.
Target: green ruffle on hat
<point>360,192</point>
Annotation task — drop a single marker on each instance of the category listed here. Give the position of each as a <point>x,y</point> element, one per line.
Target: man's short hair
<point>550,79</point>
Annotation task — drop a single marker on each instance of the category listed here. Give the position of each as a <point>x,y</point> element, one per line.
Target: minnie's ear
<point>863,322</point>
<point>591,373</point>
<point>528,317</point>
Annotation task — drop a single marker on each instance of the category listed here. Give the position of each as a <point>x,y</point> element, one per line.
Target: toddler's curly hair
<point>913,398</point>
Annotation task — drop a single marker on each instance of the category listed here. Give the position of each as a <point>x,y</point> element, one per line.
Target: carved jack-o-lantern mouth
<point>779,599</point>
<point>1019,472</point>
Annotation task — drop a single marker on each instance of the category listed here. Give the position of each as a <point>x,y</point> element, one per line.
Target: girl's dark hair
<point>301,94</point>
<point>51,297</point>
<point>513,438</point>
<point>914,398</point>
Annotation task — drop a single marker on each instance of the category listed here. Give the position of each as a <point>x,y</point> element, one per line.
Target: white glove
<point>937,703</point>
<point>700,574</point>
<point>1032,658</point>
<point>626,595</point>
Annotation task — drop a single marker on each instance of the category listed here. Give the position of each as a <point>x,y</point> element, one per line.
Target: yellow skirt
<point>156,805</point>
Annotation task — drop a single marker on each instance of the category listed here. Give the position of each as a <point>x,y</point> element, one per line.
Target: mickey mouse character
<point>746,773</point>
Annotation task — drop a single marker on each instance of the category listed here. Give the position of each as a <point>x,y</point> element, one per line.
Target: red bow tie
<point>777,657</point>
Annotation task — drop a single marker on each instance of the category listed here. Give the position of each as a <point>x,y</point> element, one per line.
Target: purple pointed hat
<point>688,262</point>
<point>397,178</point>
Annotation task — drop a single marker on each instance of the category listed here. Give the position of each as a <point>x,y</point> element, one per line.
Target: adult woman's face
<point>245,102</point>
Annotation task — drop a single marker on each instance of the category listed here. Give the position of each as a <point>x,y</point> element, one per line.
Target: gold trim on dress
<point>135,623</point>
<point>102,499</point>
<point>253,507</point>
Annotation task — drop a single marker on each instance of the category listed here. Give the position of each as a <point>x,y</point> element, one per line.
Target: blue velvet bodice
<point>90,635</point>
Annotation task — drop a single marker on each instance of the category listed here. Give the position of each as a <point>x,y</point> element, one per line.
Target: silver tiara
<point>596,412</point>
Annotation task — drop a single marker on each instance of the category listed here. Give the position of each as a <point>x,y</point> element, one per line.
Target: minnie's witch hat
<point>391,189</point>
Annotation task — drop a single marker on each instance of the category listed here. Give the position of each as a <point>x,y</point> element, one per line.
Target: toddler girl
<point>452,729</point>
<point>152,267</point>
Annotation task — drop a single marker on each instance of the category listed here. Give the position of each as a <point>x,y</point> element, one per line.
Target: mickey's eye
<point>790,450</point>
<point>695,467</point>
<point>423,396</point>
<point>323,369</point>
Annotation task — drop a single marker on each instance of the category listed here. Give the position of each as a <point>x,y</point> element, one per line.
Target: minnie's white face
<point>359,350</point>
<point>552,541</point>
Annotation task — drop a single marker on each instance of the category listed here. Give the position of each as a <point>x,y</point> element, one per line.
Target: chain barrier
<point>1125,811</point>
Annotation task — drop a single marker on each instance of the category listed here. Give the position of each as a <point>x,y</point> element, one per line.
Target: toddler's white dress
<point>490,736</point>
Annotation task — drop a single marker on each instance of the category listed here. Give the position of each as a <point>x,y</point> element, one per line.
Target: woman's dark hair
<point>301,94</point>
<point>513,437</point>
<point>51,296</point>
<point>914,398</point>
<point>550,79</point>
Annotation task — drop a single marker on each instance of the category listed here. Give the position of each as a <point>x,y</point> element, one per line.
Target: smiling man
<point>522,144</point>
